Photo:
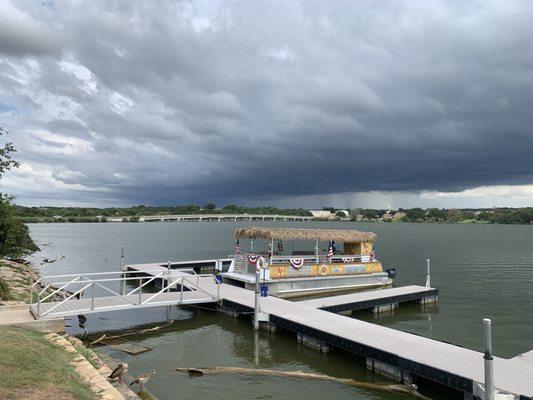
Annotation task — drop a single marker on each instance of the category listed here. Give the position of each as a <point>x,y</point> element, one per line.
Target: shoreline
<point>16,323</point>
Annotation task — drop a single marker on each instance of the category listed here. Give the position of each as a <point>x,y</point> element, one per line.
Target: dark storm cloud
<point>171,102</point>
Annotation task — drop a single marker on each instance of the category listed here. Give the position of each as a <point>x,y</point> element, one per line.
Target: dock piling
<point>489,372</point>
<point>123,283</point>
<point>428,273</point>
<point>169,267</point>
<point>257,295</point>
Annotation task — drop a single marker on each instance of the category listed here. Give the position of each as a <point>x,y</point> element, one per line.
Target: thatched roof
<point>325,235</point>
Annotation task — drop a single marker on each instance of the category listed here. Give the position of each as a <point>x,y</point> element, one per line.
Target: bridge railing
<point>86,286</point>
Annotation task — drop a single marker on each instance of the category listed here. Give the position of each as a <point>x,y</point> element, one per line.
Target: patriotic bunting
<point>297,263</point>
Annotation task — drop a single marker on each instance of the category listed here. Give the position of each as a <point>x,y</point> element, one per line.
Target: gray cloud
<point>22,35</point>
<point>165,102</point>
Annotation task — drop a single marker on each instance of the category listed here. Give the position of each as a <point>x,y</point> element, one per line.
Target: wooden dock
<point>399,355</point>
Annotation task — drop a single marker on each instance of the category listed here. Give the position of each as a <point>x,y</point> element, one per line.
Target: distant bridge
<point>222,217</point>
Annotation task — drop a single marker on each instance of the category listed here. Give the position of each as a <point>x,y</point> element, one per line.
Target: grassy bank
<point>14,281</point>
<point>32,368</point>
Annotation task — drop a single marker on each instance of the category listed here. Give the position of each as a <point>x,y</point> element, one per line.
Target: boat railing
<point>322,259</point>
<point>313,259</point>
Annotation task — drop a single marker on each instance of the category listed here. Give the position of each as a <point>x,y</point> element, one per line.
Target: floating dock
<point>399,355</point>
<point>381,300</point>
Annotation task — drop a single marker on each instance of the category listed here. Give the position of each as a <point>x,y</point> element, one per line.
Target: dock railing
<point>86,285</point>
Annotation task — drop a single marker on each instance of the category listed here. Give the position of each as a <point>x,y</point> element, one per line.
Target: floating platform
<point>401,356</point>
<point>376,300</point>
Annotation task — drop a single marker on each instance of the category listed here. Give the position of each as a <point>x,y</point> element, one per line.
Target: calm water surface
<point>481,271</point>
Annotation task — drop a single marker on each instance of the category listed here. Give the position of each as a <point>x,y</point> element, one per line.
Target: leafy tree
<point>370,214</point>
<point>15,240</point>
<point>455,215</point>
<point>6,157</point>
<point>415,214</point>
<point>437,214</point>
<point>210,206</point>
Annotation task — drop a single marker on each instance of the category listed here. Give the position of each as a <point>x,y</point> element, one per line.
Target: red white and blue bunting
<point>297,263</point>
<point>252,259</point>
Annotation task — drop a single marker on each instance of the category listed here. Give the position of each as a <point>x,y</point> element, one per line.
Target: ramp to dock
<point>118,303</point>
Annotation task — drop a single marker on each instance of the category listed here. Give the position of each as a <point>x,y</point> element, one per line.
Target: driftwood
<point>398,388</point>
<point>106,338</point>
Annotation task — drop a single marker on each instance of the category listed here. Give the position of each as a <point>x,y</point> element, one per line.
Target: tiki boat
<point>299,263</point>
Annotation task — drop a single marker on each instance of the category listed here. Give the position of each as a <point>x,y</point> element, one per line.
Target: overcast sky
<point>310,103</point>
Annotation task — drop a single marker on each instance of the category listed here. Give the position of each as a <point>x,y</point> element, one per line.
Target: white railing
<point>55,284</point>
<point>312,259</point>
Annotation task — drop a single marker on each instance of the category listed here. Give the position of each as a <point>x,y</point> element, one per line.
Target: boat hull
<point>304,287</point>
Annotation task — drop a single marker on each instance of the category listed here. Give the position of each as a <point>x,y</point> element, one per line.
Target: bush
<point>5,292</point>
<point>15,240</point>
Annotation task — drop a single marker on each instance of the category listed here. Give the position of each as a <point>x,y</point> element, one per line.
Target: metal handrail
<point>83,279</point>
<point>67,299</point>
<point>147,282</point>
<point>123,296</point>
<point>170,284</point>
<point>60,288</point>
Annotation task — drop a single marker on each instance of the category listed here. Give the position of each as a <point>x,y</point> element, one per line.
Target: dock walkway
<point>442,362</point>
<point>385,349</point>
<point>373,299</point>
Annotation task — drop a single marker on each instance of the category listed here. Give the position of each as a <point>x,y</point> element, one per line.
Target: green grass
<point>89,356</point>
<point>5,291</point>
<point>33,368</point>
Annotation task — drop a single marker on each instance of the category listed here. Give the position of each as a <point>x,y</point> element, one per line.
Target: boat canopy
<point>341,235</point>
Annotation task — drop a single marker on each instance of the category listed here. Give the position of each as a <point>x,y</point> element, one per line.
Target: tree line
<point>503,215</point>
<point>132,214</point>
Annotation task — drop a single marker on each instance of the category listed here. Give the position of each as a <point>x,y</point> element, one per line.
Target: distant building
<point>58,216</point>
<point>322,214</point>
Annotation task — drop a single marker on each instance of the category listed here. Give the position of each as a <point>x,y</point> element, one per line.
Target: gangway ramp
<point>177,289</point>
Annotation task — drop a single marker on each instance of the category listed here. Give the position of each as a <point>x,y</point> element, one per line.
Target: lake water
<point>481,271</point>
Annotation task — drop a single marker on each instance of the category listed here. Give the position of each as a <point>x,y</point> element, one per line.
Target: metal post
<point>218,290</point>
<point>489,372</point>
<point>181,294</point>
<point>257,295</point>
<point>251,246</point>
<point>31,291</point>
<point>169,273</point>
<point>140,289</point>
<point>316,251</point>
<point>428,274</point>
<point>92,297</point>
<point>123,283</point>
<point>271,250</point>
